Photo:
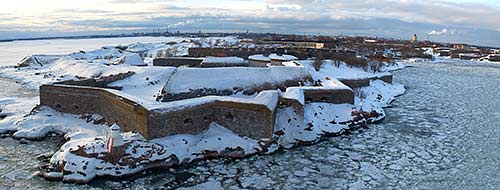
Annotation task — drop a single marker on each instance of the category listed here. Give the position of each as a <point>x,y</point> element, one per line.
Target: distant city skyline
<point>465,21</point>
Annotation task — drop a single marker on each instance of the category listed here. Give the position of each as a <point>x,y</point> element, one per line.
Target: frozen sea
<point>444,133</point>
<point>12,52</point>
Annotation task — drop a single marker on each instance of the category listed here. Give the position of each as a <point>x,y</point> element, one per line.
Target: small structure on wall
<point>260,60</point>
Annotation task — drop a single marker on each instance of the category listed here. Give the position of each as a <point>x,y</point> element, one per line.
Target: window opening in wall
<point>229,116</point>
<point>206,118</point>
<point>188,121</point>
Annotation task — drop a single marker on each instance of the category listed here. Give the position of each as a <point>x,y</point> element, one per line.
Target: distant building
<point>463,46</point>
<point>370,41</point>
<point>443,51</point>
<point>494,57</point>
<point>468,56</point>
<point>260,60</point>
<point>414,38</point>
<point>313,45</point>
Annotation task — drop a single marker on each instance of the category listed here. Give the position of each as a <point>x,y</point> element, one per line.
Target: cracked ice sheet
<point>324,118</point>
<point>46,120</point>
<point>14,109</point>
<point>378,94</point>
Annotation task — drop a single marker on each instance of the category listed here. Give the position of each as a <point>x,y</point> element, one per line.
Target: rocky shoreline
<point>359,121</point>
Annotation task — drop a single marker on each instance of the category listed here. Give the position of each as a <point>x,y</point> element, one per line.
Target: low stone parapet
<point>386,78</point>
<point>334,96</point>
<point>362,82</point>
<point>356,83</point>
<point>177,61</point>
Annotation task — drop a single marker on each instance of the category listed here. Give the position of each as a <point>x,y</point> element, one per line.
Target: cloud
<point>472,14</point>
<point>183,23</point>
<point>283,7</point>
<point>435,33</point>
<point>385,18</point>
<point>86,11</point>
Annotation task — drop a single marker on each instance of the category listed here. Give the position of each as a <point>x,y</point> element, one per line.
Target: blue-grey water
<point>444,133</point>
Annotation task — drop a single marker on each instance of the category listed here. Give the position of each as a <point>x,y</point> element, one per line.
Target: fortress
<point>242,99</point>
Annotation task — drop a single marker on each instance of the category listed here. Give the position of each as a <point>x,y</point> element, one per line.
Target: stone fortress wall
<point>82,99</point>
<point>251,120</point>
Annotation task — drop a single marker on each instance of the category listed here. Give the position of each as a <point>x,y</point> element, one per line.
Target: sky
<point>468,21</point>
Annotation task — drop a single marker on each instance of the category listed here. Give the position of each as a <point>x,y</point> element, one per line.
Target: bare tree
<point>318,62</point>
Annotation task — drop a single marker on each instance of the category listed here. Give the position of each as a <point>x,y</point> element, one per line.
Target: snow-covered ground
<point>436,58</point>
<point>85,156</point>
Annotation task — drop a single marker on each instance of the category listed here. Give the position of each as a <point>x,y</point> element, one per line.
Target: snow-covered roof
<point>146,81</point>
<point>294,94</point>
<point>273,56</point>
<point>335,85</point>
<point>469,54</point>
<point>268,98</point>
<point>291,64</point>
<point>224,78</point>
<point>259,57</point>
<point>224,60</point>
<point>115,127</point>
<point>329,70</point>
<point>283,57</point>
<point>331,84</point>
